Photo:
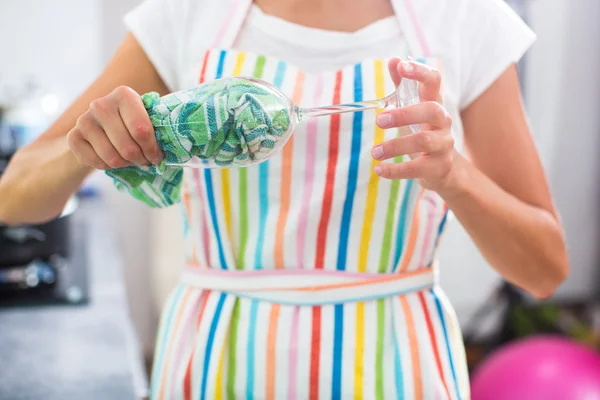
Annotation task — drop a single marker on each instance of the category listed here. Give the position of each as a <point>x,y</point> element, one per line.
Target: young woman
<point>312,275</point>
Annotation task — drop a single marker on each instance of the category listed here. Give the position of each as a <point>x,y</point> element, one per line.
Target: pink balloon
<point>539,368</point>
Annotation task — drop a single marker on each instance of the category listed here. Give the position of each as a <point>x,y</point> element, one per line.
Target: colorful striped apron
<point>308,277</point>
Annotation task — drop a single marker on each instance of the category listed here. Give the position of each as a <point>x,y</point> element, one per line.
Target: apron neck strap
<point>412,28</point>
<point>231,15</point>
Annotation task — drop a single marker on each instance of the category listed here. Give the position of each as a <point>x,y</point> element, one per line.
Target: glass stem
<point>305,113</point>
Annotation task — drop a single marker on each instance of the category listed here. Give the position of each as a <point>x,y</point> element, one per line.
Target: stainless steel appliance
<point>45,262</point>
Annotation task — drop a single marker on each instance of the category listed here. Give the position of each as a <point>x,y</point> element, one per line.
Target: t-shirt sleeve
<point>492,38</point>
<point>159,32</point>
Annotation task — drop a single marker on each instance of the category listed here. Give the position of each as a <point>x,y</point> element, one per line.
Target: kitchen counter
<point>64,352</point>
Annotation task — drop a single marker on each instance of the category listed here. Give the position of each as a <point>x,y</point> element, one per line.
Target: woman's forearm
<point>42,177</point>
<point>524,243</point>
<point>39,181</point>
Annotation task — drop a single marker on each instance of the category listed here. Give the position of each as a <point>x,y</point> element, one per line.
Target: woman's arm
<point>500,195</point>
<point>42,176</point>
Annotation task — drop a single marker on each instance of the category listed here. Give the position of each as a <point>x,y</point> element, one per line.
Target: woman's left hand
<point>432,149</point>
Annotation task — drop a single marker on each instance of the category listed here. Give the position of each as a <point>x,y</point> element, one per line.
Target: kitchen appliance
<point>43,263</point>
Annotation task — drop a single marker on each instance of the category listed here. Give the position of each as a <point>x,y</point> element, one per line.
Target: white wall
<point>565,107</point>
<point>54,41</point>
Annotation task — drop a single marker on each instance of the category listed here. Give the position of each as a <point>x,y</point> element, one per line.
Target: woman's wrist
<point>456,184</point>
<point>39,196</point>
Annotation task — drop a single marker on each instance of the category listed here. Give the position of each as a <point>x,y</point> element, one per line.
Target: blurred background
<point>80,297</point>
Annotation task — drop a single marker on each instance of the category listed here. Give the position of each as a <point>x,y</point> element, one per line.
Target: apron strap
<point>221,21</point>
<point>412,28</point>
<point>415,29</point>
<point>225,18</point>
<point>303,287</point>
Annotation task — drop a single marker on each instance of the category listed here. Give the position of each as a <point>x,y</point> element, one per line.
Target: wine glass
<point>251,148</point>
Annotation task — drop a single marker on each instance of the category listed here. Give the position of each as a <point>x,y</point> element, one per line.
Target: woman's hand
<point>504,204</point>
<point>115,132</point>
<point>432,149</point>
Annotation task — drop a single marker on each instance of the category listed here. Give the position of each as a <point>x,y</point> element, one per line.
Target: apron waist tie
<point>302,287</point>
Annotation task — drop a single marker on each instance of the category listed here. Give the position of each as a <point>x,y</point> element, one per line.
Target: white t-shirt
<point>474,40</point>
<point>316,50</point>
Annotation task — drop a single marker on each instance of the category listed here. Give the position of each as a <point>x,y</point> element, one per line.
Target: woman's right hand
<point>115,132</point>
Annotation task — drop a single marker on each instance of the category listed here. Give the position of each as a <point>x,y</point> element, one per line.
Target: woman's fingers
<point>431,112</point>
<point>393,68</point>
<point>85,154</point>
<point>91,132</point>
<point>429,78</point>
<point>106,113</point>
<point>118,131</point>
<point>136,121</point>
<point>434,145</point>
<point>426,142</point>
<point>431,168</point>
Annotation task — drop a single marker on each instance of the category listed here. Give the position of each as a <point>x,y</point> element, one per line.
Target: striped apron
<point>309,277</point>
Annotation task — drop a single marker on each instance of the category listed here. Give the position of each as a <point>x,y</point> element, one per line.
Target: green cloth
<point>228,122</point>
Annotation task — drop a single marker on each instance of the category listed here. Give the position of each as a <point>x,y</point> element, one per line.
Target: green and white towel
<point>229,122</point>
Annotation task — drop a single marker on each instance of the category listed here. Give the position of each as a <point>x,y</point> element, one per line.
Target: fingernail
<point>377,152</point>
<point>384,120</point>
<point>408,68</point>
<point>377,170</point>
